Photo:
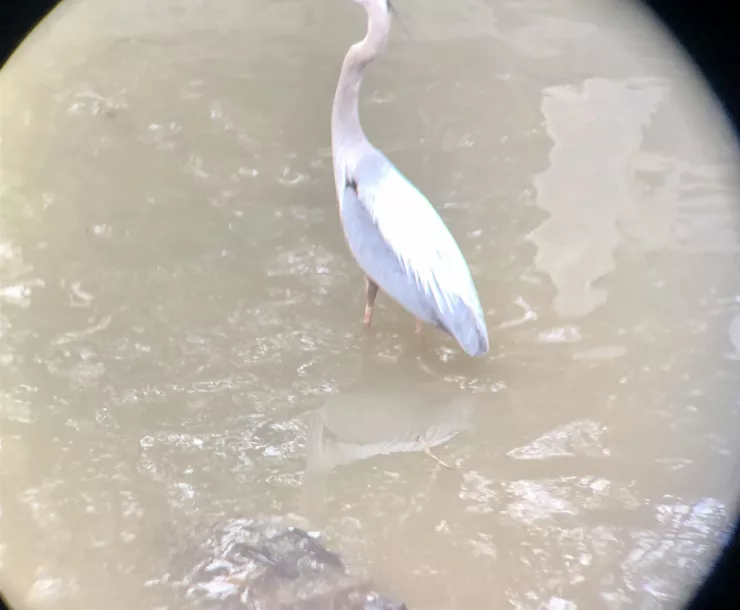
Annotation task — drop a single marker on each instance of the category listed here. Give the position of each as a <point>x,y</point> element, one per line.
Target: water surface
<point>181,341</point>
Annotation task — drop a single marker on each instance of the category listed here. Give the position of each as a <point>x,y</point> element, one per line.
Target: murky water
<point>181,320</point>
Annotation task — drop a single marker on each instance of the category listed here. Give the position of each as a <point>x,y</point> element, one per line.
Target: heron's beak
<point>392,11</point>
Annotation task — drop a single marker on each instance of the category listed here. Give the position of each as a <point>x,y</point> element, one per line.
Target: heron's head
<point>383,5</point>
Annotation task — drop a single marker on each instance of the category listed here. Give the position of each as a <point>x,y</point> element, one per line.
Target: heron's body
<point>394,233</point>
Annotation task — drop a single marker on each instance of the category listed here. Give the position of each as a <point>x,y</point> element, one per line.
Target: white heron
<point>394,233</point>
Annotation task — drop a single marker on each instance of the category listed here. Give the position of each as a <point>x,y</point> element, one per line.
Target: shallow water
<point>181,341</point>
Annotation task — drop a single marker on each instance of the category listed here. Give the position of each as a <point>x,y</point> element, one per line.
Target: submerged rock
<point>259,566</point>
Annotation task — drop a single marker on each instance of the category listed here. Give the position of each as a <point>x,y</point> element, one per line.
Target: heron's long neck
<point>345,115</point>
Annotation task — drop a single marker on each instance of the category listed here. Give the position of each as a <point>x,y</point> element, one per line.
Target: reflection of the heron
<point>360,424</point>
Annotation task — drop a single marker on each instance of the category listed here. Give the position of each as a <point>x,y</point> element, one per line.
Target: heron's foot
<point>419,326</point>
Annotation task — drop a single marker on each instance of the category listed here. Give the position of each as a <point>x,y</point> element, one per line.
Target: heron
<point>397,238</point>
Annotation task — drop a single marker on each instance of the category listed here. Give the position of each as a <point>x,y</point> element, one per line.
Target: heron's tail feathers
<point>467,324</point>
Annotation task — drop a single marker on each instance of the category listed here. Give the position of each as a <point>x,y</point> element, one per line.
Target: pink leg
<point>371,292</point>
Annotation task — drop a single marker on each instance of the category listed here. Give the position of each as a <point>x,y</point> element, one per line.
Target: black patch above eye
<point>350,183</point>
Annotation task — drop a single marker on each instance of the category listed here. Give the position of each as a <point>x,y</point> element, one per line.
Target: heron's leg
<point>371,289</point>
<point>419,326</point>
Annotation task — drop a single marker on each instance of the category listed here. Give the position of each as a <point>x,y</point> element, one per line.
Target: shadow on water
<point>378,415</point>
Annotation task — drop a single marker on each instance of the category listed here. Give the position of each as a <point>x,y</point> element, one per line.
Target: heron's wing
<point>423,249</point>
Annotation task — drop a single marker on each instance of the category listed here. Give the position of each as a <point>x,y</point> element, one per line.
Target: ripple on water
<point>576,438</point>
